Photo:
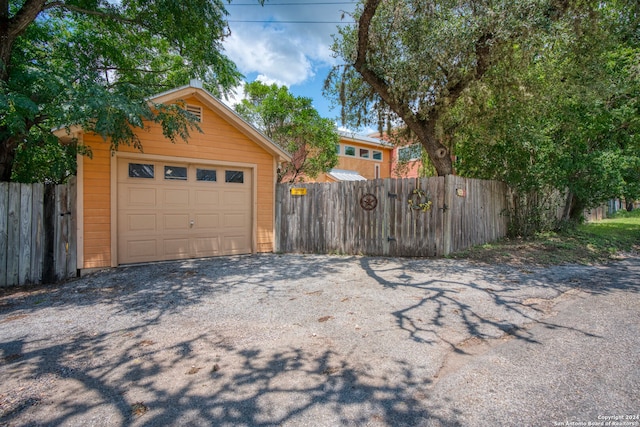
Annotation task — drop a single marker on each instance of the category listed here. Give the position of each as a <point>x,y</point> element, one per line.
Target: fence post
<point>48,268</point>
<point>447,212</point>
<point>4,236</point>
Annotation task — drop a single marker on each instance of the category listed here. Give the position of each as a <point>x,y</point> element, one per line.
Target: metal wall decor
<point>368,202</point>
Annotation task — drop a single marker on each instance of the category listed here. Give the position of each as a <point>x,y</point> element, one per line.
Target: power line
<point>291,4</point>
<point>288,22</point>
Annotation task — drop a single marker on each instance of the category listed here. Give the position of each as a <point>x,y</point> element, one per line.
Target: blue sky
<point>287,42</point>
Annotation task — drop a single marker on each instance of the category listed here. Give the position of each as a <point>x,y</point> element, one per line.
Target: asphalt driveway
<point>293,340</point>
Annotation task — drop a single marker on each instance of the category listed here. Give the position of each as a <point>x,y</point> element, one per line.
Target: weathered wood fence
<point>376,217</point>
<point>37,233</point>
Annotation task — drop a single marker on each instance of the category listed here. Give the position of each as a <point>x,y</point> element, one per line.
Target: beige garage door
<point>172,211</point>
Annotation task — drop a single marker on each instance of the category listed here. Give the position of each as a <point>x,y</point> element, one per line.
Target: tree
<point>566,117</point>
<point>293,124</point>
<point>94,63</point>
<point>410,61</point>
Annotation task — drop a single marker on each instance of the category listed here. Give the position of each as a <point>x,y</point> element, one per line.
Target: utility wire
<point>289,22</point>
<point>290,4</point>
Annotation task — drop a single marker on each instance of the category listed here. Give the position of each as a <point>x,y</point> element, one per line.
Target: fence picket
<point>4,237</point>
<point>13,234</point>
<point>26,211</point>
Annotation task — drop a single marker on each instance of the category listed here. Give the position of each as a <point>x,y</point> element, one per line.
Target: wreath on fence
<point>420,200</point>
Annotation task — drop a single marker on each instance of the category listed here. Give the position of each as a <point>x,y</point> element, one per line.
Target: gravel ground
<point>294,340</point>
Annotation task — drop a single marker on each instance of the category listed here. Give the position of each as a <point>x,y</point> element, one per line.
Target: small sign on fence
<point>298,191</point>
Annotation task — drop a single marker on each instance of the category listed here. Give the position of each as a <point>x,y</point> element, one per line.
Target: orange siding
<point>365,167</point>
<point>220,141</point>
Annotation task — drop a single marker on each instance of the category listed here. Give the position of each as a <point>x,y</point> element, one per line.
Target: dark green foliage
<point>293,124</point>
<point>93,64</point>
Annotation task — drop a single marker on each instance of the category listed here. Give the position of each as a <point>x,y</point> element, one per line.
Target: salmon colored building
<point>360,158</point>
<point>212,195</point>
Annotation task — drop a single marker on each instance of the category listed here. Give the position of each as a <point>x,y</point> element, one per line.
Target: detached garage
<point>211,196</point>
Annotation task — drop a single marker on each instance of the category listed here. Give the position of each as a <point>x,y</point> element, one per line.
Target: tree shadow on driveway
<point>264,340</point>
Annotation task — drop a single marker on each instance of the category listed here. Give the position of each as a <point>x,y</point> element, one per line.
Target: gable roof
<point>196,90</point>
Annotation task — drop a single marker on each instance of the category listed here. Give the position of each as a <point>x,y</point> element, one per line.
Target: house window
<point>349,151</point>
<point>338,149</point>
<point>364,153</point>
<point>196,111</point>
<point>140,170</point>
<point>377,155</point>
<point>175,172</point>
<point>412,152</point>
<point>234,176</point>
<point>208,175</point>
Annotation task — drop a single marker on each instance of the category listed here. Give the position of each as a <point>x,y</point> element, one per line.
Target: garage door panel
<point>206,246</point>
<point>207,198</point>
<point>175,222</point>
<point>235,219</point>
<point>175,197</point>
<point>142,249</point>
<point>140,197</point>
<point>235,198</point>
<point>178,248</point>
<point>141,222</point>
<point>164,219</point>
<point>235,244</point>
<point>207,221</point>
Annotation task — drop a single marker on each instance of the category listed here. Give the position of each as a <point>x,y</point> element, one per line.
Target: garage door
<point>170,211</point>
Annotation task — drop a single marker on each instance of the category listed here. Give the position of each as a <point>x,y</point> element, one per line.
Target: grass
<point>592,243</point>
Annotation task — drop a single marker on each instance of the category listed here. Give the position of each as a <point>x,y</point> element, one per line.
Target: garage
<point>210,193</point>
<point>169,210</point>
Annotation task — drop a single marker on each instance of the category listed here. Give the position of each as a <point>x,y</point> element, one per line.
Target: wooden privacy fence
<point>390,217</point>
<point>37,233</point>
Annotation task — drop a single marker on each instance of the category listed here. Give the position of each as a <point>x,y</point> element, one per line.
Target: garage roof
<point>194,88</point>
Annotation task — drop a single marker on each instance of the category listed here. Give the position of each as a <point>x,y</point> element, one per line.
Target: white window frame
<point>414,153</point>
<point>347,148</point>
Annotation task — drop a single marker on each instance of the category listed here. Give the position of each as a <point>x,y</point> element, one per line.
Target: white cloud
<point>288,53</point>
<point>234,96</point>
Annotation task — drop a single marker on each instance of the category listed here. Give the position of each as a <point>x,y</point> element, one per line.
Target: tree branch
<point>25,16</point>
<point>379,85</point>
<point>99,13</point>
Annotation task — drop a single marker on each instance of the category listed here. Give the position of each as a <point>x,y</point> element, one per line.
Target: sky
<point>287,42</point>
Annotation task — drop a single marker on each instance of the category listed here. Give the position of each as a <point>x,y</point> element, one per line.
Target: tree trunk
<point>438,153</point>
<point>7,155</point>
<point>573,209</point>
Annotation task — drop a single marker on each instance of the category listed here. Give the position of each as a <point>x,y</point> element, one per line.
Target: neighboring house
<point>406,158</point>
<point>406,161</point>
<point>213,195</point>
<point>359,158</point>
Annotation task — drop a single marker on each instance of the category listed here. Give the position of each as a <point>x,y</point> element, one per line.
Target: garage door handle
<point>191,223</point>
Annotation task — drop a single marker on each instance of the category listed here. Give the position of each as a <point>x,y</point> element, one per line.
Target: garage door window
<point>175,172</point>
<point>234,176</point>
<point>206,175</point>
<point>141,170</point>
